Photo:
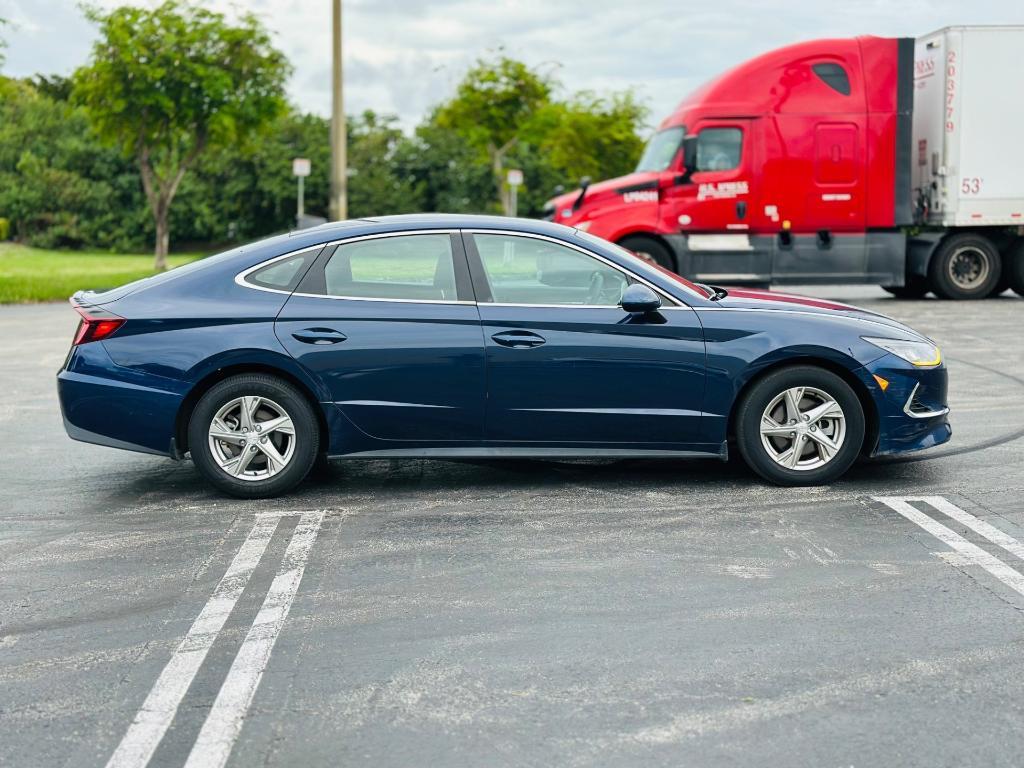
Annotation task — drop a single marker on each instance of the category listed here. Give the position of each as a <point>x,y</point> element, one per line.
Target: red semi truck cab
<point>791,167</point>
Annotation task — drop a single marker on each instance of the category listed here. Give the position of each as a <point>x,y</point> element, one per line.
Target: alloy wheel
<point>803,428</point>
<point>252,438</point>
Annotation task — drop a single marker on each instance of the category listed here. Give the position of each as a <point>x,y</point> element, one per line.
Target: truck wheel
<point>915,288</point>
<point>649,249</point>
<point>1015,267</point>
<point>965,266</point>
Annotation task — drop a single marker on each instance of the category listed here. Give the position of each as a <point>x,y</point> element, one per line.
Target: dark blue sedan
<point>457,336</point>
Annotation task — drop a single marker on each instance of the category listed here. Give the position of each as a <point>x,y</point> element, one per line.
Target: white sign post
<point>300,168</point>
<point>515,180</point>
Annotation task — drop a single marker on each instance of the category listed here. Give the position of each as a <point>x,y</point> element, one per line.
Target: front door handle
<point>319,336</point>
<point>741,210</point>
<point>518,339</point>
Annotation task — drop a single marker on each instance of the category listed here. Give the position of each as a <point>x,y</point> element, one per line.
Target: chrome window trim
<point>381,301</point>
<point>240,277</point>
<point>240,280</point>
<point>676,302</point>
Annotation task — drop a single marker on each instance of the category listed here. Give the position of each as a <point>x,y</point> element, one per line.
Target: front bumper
<point>913,413</point>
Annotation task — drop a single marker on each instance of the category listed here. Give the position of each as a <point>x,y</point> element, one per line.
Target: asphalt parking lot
<point>518,613</point>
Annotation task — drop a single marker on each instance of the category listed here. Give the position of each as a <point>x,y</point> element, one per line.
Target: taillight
<point>96,324</point>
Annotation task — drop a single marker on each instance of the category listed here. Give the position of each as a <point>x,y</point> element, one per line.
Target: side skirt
<point>501,452</point>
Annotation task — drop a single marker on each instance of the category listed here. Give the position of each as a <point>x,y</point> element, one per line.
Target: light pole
<point>338,206</point>
<point>514,178</point>
<point>300,169</point>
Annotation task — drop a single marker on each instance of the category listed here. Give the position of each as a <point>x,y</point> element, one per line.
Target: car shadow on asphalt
<point>341,481</point>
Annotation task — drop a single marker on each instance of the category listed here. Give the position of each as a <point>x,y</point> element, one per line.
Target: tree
<point>59,185</point>
<point>378,185</point>
<point>170,83</point>
<point>492,105</point>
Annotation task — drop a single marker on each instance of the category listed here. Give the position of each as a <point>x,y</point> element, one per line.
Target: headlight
<point>920,353</point>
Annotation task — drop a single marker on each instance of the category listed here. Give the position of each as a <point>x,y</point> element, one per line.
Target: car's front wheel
<point>253,436</point>
<point>800,426</point>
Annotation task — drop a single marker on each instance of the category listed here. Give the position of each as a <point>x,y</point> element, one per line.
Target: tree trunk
<point>163,238</point>
<point>498,169</point>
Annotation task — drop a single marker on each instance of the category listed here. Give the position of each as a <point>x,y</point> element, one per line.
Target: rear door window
<point>405,268</point>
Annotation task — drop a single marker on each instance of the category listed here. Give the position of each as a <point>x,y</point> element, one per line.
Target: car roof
<point>441,221</point>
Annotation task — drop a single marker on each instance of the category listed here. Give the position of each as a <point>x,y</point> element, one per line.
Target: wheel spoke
<point>221,431</point>
<point>829,409</point>
<point>275,461</point>
<point>772,428</point>
<point>827,447</point>
<point>281,424</point>
<point>793,398</point>
<point>240,463</point>
<point>248,412</point>
<point>790,456</point>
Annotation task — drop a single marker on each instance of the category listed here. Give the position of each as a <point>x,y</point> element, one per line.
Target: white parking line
<point>217,738</point>
<point>158,710</point>
<point>977,525</point>
<point>971,552</point>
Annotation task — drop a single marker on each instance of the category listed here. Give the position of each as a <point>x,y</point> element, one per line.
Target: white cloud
<point>402,56</point>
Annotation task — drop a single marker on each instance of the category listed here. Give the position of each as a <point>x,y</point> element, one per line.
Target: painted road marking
<point>971,553</point>
<point>990,532</point>
<point>220,731</point>
<point>158,710</point>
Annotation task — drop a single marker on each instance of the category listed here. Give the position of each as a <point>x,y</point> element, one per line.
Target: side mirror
<point>638,299</point>
<point>689,157</point>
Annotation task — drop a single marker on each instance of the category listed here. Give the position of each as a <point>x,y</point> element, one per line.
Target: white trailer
<point>968,178</point>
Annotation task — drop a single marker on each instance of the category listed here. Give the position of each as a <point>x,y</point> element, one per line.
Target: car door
<point>717,204</point>
<point>566,365</point>
<point>389,325</point>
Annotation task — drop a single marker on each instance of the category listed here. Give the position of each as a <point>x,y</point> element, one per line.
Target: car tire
<point>249,462</point>
<point>767,454</point>
<point>964,266</point>
<point>1015,267</point>
<point>648,247</point>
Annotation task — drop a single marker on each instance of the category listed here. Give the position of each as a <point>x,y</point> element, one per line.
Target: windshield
<point>661,149</point>
<point>642,266</point>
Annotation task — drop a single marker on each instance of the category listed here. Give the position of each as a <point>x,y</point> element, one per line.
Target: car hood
<point>751,299</point>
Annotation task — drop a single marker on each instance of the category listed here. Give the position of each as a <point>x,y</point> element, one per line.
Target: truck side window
<point>719,149</point>
<point>834,76</point>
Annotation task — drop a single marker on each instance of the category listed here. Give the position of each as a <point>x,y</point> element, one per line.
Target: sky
<point>403,56</point>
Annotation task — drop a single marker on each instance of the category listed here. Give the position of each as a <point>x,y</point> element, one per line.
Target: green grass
<point>33,274</point>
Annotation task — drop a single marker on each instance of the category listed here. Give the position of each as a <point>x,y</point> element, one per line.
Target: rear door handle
<point>518,339</point>
<point>319,336</point>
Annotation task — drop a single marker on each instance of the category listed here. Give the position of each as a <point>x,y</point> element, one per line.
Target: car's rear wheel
<point>800,426</point>
<point>254,436</point>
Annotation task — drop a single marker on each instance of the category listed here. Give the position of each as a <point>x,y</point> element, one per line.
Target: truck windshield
<point>661,149</point>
